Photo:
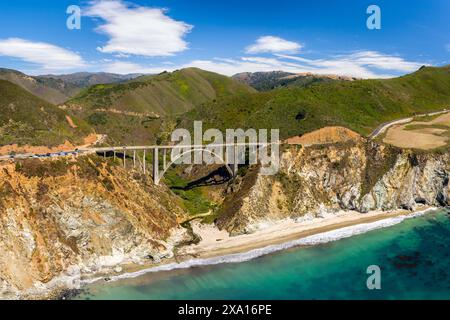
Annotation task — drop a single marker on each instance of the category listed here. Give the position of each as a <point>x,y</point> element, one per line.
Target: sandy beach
<point>218,247</point>
<point>216,243</point>
<point>295,264</point>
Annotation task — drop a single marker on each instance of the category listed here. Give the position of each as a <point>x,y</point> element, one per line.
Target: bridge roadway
<point>157,174</point>
<point>171,147</point>
<point>121,152</point>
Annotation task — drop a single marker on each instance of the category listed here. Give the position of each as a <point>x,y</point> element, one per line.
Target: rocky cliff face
<point>62,219</point>
<point>355,175</point>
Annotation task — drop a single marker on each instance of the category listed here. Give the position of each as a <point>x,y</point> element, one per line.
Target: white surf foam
<point>319,238</point>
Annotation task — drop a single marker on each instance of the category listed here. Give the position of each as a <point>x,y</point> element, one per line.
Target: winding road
<point>21,156</point>
<point>88,149</point>
<point>383,127</point>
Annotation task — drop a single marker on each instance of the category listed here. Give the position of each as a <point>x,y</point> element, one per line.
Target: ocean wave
<point>316,239</point>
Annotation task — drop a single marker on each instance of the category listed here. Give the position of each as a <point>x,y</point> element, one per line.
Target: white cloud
<point>363,64</point>
<point>381,61</point>
<point>246,64</point>
<point>47,57</point>
<point>138,30</point>
<point>222,66</point>
<point>448,47</point>
<point>273,44</point>
<point>230,67</point>
<point>359,64</point>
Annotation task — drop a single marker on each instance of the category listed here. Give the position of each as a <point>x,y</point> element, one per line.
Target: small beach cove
<point>216,251</point>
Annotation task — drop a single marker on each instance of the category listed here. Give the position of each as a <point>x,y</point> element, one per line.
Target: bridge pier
<point>231,154</point>
<point>164,159</point>
<point>143,162</point>
<point>235,169</point>
<point>156,166</point>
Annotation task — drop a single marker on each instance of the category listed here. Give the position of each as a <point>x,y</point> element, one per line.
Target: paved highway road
<point>20,156</point>
<point>383,127</point>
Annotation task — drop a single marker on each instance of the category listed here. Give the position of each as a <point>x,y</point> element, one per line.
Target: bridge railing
<point>125,152</point>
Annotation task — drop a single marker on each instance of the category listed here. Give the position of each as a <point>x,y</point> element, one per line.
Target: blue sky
<point>150,36</point>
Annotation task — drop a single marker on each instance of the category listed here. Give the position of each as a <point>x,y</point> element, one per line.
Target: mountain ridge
<point>360,105</point>
<point>57,89</point>
<point>186,87</point>
<point>29,120</point>
<point>145,109</point>
<point>266,81</point>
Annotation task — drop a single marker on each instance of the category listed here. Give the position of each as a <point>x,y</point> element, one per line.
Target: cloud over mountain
<point>360,64</point>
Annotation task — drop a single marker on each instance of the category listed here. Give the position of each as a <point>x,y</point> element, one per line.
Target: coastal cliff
<point>62,219</point>
<point>319,180</point>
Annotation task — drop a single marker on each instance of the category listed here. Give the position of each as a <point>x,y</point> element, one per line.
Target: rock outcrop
<point>62,219</point>
<point>356,175</point>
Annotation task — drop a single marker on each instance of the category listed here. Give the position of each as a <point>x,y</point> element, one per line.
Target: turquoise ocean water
<point>414,257</point>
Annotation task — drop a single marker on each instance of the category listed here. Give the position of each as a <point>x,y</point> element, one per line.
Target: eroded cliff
<point>61,219</point>
<point>356,175</point>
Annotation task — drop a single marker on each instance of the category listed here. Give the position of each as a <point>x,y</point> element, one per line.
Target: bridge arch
<point>215,155</point>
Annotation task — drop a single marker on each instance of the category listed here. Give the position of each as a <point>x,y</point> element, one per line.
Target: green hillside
<point>148,108</point>
<point>51,90</point>
<point>82,80</point>
<point>163,94</point>
<point>142,110</point>
<point>266,81</point>
<point>57,89</point>
<point>27,119</point>
<point>360,105</point>
<point>262,81</point>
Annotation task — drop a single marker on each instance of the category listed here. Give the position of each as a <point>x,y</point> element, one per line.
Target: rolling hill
<point>161,95</point>
<point>266,81</point>
<point>51,90</point>
<point>28,120</point>
<point>146,109</point>
<point>81,80</point>
<point>359,105</point>
<point>143,110</point>
<point>57,89</point>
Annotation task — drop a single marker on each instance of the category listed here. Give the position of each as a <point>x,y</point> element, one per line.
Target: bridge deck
<point>24,156</point>
<point>169,147</point>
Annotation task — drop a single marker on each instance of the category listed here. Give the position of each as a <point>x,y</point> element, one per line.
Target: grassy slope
<point>266,81</point>
<point>360,105</point>
<point>195,200</point>
<point>27,119</point>
<point>57,89</point>
<point>51,90</point>
<point>81,80</point>
<point>166,95</point>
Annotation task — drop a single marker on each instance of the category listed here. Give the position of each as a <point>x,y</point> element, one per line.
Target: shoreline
<point>217,247</point>
<point>289,230</point>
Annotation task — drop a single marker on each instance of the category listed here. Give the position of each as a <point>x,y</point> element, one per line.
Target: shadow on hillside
<point>214,178</point>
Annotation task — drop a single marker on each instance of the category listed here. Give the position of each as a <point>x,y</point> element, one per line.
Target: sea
<point>394,259</point>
